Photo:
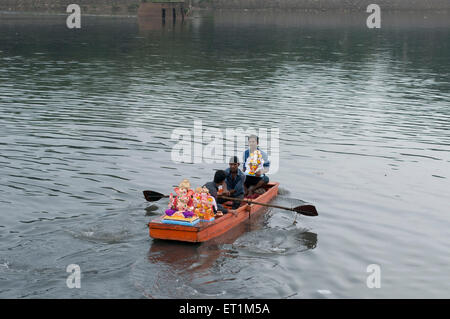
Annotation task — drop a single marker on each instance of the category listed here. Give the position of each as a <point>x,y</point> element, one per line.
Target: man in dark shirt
<point>235,181</point>
<point>213,187</point>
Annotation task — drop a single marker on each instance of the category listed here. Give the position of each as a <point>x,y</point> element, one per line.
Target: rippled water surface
<point>86,122</point>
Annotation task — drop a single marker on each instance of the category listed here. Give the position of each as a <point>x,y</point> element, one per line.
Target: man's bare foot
<point>260,191</point>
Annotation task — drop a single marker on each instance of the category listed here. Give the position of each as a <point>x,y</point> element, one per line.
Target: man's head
<point>219,177</point>
<point>234,164</point>
<point>253,142</point>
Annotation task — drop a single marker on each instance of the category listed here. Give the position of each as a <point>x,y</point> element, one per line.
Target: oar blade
<point>307,210</point>
<point>152,196</point>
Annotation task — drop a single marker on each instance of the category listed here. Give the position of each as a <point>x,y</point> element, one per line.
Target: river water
<point>86,123</point>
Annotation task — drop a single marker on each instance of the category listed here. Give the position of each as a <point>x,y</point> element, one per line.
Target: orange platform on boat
<point>204,231</point>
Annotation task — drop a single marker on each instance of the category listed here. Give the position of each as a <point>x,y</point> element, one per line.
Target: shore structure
<point>164,9</point>
<point>156,8</point>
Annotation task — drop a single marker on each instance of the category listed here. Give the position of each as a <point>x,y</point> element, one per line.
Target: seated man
<point>235,182</point>
<point>255,168</point>
<point>213,187</point>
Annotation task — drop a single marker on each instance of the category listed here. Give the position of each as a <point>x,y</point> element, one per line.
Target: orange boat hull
<point>204,231</point>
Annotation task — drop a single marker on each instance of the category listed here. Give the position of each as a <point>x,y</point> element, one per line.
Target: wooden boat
<point>204,231</point>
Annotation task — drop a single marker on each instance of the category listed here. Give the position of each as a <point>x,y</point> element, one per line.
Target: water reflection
<point>184,256</point>
<point>308,240</point>
<point>148,25</point>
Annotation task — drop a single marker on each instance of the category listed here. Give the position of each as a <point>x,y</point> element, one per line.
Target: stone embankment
<point>107,7</point>
<point>130,7</point>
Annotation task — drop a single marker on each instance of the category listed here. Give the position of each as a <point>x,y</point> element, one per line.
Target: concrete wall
<point>130,7</point>
<point>59,6</point>
<point>324,4</point>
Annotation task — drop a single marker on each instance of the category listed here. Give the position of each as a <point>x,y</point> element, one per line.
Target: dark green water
<point>86,122</point>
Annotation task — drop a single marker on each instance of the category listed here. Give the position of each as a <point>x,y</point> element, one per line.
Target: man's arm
<point>226,191</point>
<point>266,165</point>
<point>222,209</point>
<point>245,160</point>
<point>239,189</point>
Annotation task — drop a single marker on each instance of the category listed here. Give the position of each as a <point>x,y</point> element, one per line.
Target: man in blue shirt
<point>234,181</point>
<point>259,179</point>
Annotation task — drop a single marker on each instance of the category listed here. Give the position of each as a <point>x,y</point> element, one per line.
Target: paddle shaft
<point>257,203</point>
<point>307,210</point>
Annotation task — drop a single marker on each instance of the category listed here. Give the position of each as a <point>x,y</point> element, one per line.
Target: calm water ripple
<point>86,122</point>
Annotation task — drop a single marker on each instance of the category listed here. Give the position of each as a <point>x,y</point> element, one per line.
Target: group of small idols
<point>189,203</point>
<point>256,161</point>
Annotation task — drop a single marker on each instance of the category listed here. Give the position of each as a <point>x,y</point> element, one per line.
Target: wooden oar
<point>152,196</point>
<point>307,210</point>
